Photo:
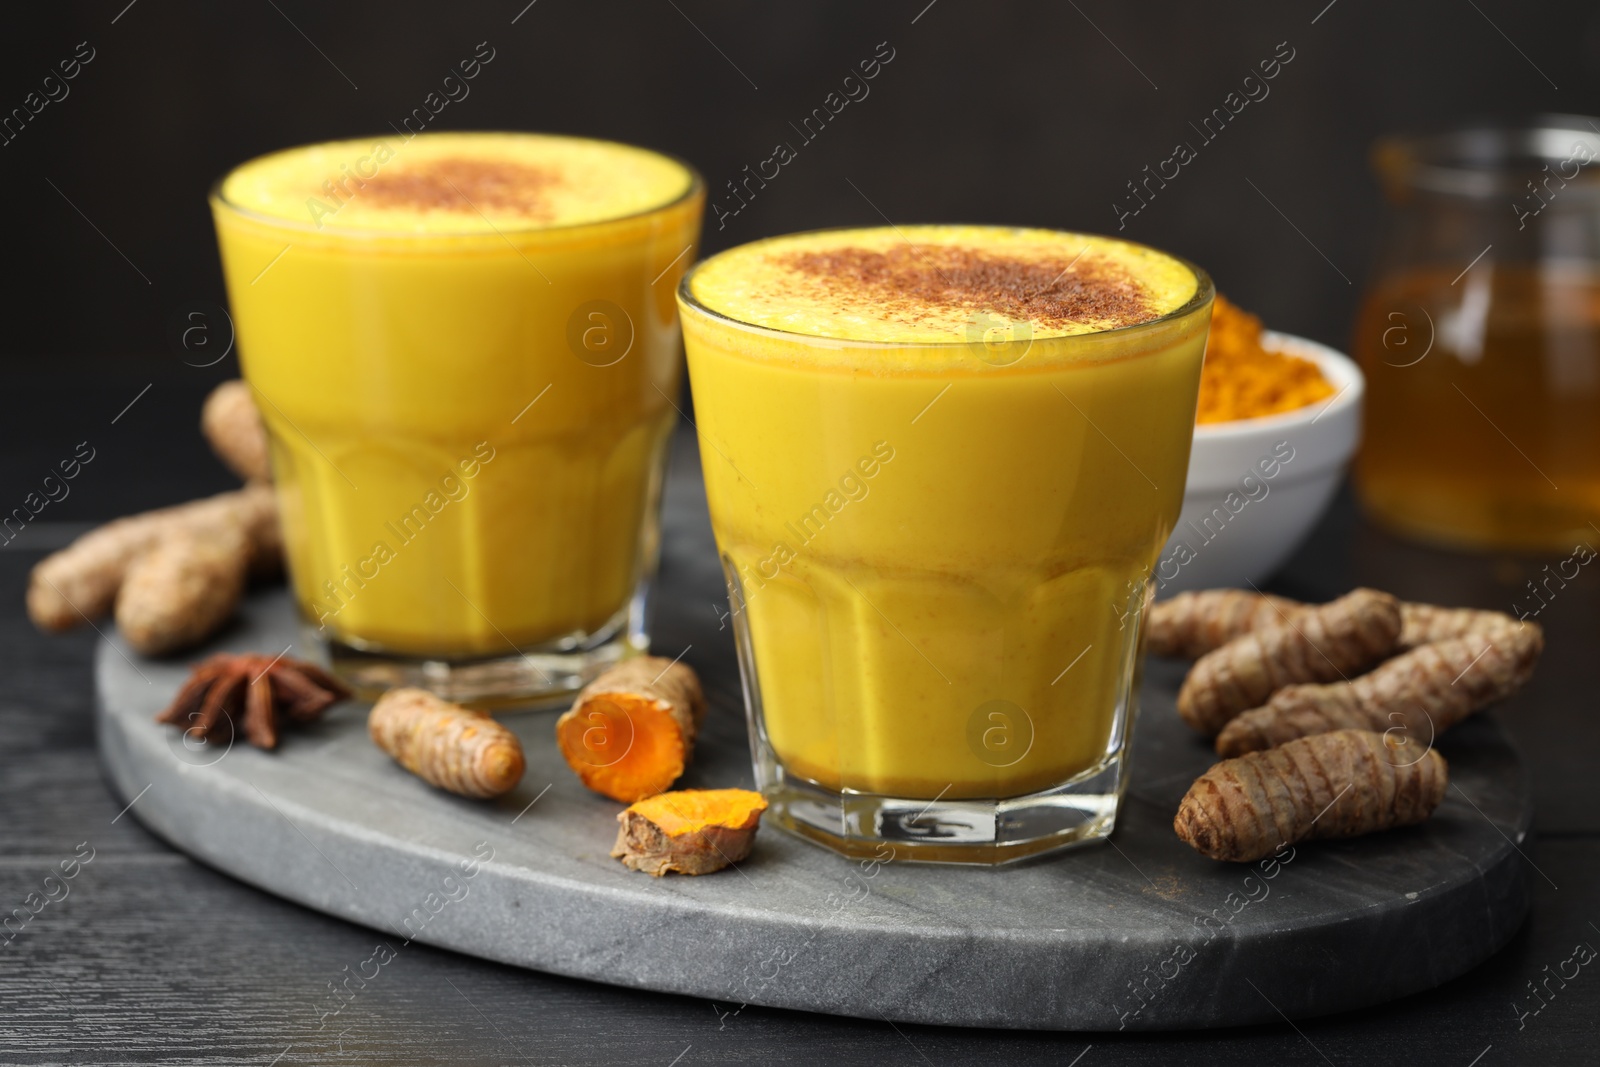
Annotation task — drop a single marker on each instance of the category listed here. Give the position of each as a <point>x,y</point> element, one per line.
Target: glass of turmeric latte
<point>940,462</point>
<point>465,349</point>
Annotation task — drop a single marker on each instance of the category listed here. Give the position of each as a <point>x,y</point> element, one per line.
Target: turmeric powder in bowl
<point>1243,380</point>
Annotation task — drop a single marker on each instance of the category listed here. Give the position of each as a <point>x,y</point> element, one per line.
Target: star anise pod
<point>267,690</point>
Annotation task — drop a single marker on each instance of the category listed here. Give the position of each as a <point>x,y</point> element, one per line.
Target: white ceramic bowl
<point>1257,486</point>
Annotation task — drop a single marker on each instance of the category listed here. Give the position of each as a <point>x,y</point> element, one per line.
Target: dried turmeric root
<point>232,424</point>
<point>631,732</point>
<point>1194,623</point>
<point>81,582</point>
<point>1333,641</point>
<point>1418,695</point>
<point>182,590</point>
<point>692,831</point>
<point>446,745</point>
<point>1423,624</point>
<point>1340,784</point>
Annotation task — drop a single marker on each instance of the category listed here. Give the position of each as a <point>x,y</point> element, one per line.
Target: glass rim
<point>1204,291</point>
<point>1479,159</point>
<point>697,187</point>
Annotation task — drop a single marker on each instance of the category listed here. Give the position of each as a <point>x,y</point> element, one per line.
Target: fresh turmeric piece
<point>1332,641</point>
<point>1194,623</point>
<point>446,745</point>
<point>631,732</point>
<point>81,582</point>
<point>1340,784</point>
<point>1416,695</point>
<point>1241,379</point>
<point>1191,624</point>
<point>692,831</point>
<point>232,424</point>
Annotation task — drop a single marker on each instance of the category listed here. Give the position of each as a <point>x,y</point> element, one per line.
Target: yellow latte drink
<point>940,462</point>
<point>464,347</point>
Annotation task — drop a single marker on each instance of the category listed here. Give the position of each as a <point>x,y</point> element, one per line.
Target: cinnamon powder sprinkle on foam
<point>1050,292</point>
<point>464,184</point>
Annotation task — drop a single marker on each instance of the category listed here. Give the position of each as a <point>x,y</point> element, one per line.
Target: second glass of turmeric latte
<point>940,463</point>
<point>465,350</point>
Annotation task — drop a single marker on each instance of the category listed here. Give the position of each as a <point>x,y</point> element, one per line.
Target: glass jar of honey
<point>1480,338</point>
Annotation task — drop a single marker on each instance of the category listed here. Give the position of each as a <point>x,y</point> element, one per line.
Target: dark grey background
<point>1027,113</point>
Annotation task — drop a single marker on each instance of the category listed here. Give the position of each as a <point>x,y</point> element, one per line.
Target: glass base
<point>991,832</point>
<point>546,675</point>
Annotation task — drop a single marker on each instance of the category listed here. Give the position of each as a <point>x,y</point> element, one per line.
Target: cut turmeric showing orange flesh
<point>692,831</point>
<point>631,732</point>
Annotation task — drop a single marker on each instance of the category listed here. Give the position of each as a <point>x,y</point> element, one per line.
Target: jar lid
<point>1491,158</point>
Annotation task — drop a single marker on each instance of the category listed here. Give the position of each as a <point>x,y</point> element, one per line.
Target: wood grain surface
<point>152,958</point>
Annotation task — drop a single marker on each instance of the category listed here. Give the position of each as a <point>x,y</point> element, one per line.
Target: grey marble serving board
<point>1139,934</point>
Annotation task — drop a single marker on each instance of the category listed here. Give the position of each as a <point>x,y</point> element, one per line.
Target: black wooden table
<point>145,956</point>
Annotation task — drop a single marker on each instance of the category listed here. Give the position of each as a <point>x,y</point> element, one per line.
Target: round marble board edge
<point>1143,935</point>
